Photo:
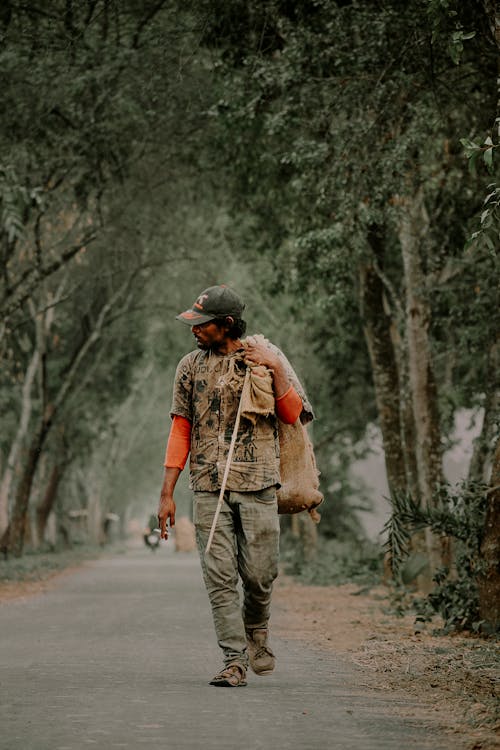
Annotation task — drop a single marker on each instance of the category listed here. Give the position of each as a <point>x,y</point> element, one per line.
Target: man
<point>245,544</point>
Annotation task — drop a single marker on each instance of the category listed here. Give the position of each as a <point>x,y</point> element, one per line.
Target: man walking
<point>245,544</point>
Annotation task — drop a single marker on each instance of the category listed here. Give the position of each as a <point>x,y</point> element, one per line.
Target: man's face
<point>210,335</point>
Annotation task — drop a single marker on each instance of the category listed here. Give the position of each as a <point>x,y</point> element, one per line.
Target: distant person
<point>207,390</point>
<point>151,533</point>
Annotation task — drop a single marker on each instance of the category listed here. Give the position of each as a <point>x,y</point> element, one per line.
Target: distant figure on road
<point>245,543</point>
<point>151,534</point>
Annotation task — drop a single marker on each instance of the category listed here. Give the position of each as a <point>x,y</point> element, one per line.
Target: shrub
<point>458,514</point>
<point>334,561</point>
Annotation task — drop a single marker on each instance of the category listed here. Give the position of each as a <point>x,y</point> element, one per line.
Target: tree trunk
<point>13,538</point>
<point>26,403</point>
<point>408,439</point>
<point>422,384</point>
<point>43,322</point>
<point>478,468</point>
<point>94,517</point>
<point>45,506</point>
<point>377,330</point>
<point>489,582</point>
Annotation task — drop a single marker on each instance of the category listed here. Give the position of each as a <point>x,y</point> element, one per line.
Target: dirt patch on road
<point>10,590</point>
<point>35,574</point>
<point>454,678</point>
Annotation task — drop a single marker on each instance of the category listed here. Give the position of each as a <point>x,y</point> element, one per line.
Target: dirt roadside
<point>455,677</point>
<point>10,590</point>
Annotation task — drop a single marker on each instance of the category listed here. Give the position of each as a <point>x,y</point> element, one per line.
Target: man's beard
<point>207,347</point>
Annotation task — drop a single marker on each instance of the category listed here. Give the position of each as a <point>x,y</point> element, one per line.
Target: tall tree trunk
<point>46,504</point>
<point>26,404</point>
<point>422,383</point>
<point>409,437</point>
<point>43,322</point>
<point>14,536</point>
<point>377,330</point>
<point>95,515</point>
<point>489,582</point>
<point>481,455</point>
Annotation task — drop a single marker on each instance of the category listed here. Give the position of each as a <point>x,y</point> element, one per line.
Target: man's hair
<point>235,329</point>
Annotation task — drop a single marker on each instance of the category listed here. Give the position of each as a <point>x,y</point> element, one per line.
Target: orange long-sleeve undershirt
<point>289,406</point>
<point>288,409</point>
<point>179,443</point>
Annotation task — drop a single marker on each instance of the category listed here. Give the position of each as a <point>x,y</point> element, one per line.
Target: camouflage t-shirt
<point>207,391</point>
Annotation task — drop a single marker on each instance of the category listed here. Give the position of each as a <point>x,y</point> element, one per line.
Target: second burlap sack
<point>299,489</point>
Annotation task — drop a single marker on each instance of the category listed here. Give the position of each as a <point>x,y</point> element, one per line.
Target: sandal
<point>232,676</point>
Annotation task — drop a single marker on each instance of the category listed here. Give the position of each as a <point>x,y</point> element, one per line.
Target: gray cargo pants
<point>245,544</point>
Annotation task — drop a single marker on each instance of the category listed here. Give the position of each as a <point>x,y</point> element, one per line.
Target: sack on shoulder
<point>299,474</point>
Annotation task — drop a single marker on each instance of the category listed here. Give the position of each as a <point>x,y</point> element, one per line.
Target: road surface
<point>119,653</point>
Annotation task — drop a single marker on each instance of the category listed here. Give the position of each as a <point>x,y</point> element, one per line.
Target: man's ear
<point>229,321</point>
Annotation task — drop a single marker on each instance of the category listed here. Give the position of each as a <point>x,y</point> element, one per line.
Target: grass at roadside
<point>37,567</point>
<point>334,562</point>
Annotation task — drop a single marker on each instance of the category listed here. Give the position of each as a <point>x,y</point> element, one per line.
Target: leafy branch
<point>484,151</point>
<point>459,515</point>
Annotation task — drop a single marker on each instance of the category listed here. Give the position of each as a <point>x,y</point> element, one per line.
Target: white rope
<point>226,469</point>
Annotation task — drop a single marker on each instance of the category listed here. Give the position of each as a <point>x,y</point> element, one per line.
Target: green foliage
<point>38,566</point>
<point>324,131</point>
<point>334,562</point>
<point>479,151</point>
<point>445,17</point>
<point>455,598</point>
<point>15,200</point>
<point>92,141</point>
<point>457,514</point>
<point>321,137</point>
<point>488,233</point>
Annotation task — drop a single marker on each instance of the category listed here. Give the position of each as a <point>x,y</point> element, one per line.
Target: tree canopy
<point>335,161</point>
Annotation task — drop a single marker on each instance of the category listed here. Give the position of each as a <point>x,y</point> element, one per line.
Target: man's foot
<point>262,660</point>
<point>231,676</point>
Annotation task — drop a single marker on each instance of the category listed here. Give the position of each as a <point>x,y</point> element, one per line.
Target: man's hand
<point>166,513</point>
<point>260,353</point>
<point>166,508</point>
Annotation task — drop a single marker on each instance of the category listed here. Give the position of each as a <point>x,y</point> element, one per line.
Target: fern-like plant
<point>457,513</point>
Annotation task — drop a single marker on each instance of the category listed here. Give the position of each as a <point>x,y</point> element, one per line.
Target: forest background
<point>335,162</point>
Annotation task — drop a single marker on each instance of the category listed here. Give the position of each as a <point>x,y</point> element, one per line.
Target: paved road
<point>119,654</point>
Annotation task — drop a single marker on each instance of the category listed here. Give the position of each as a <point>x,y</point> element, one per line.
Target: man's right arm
<point>179,443</point>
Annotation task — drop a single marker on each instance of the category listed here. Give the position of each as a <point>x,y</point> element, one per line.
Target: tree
<point>341,130</point>
<point>84,129</point>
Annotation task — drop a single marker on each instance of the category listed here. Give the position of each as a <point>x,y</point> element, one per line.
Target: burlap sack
<point>299,474</point>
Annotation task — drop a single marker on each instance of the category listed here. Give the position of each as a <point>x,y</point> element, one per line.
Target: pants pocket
<point>267,496</point>
<point>204,506</point>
